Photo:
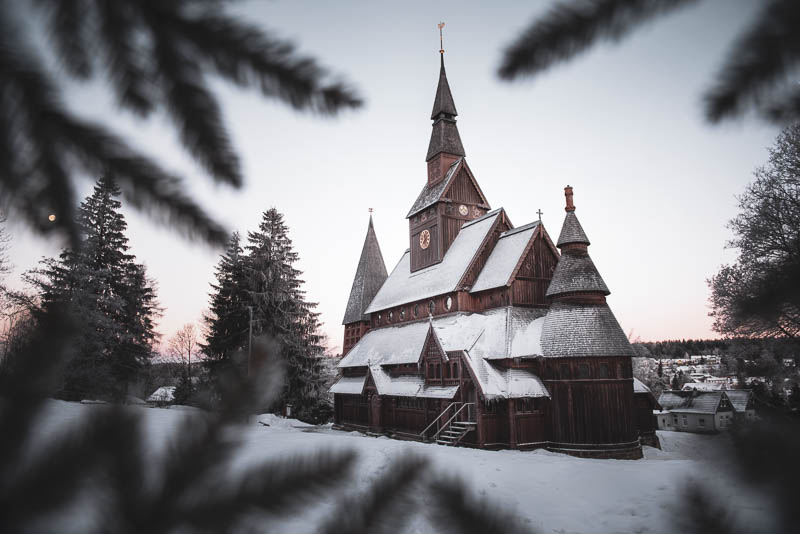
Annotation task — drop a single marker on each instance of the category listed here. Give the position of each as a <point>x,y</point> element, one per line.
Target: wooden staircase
<point>455,432</point>
<point>456,427</point>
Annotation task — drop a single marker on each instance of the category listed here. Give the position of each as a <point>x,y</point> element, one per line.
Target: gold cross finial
<point>370,210</point>
<point>441,42</point>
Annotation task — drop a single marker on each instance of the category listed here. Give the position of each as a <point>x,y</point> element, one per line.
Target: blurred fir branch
<point>154,55</point>
<point>755,75</point>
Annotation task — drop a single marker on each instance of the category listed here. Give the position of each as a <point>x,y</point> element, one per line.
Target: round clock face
<point>424,239</point>
<point>463,210</point>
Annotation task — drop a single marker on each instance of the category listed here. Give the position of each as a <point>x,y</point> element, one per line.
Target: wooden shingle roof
<point>370,276</point>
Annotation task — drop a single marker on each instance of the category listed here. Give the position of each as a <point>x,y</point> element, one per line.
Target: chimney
<point>568,194</point>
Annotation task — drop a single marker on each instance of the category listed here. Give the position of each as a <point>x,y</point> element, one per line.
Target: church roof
<point>370,276</point>
<point>403,286</point>
<point>572,231</point>
<point>505,257</point>
<point>349,385</point>
<point>443,103</point>
<point>497,382</point>
<point>575,272</point>
<point>508,332</point>
<point>431,194</point>
<point>578,330</point>
<point>408,385</point>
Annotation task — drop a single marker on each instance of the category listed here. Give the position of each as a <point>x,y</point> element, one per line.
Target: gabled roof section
<point>741,399</point>
<point>370,276</point>
<point>572,231</point>
<point>691,401</point>
<point>349,385</point>
<point>408,385</point>
<point>443,102</point>
<point>505,257</point>
<point>498,383</point>
<point>403,286</point>
<point>431,194</point>
<point>439,191</point>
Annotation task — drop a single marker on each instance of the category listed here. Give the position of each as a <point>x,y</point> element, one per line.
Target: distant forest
<point>745,348</point>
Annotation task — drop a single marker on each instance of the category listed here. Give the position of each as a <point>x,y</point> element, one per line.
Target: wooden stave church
<point>484,334</point>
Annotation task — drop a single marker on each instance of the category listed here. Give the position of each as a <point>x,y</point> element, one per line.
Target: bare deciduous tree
<point>184,344</point>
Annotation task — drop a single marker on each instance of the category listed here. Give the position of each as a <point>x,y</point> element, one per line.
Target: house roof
<point>575,272</point>
<point>389,345</point>
<point>691,401</point>
<point>370,275</point>
<point>639,386</point>
<point>403,286</point>
<point>739,398</point>
<point>572,329</point>
<point>572,231</point>
<point>505,256</point>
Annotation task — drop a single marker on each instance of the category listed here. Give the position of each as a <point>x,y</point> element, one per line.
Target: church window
<point>447,371</point>
<point>389,317</point>
<point>583,370</point>
<point>455,369</point>
<point>416,310</point>
<point>402,314</point>
<point>448,303</point>
<point>438,371</point>
<point>603,370</point>
<point>430,370</point>
<point>379,318</point>
<point>431,307</point>
<point>490,407</point>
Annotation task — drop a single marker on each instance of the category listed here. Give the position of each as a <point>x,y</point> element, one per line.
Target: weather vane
<point>441,42</point>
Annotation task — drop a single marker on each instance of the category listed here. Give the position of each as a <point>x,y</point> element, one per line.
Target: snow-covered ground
<point>549,492</point>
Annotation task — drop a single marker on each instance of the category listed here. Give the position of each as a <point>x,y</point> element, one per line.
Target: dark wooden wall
<point>353,333</point>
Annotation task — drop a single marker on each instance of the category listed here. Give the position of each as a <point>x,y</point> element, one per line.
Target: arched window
<point>448,303</point>
<point>438,371</point>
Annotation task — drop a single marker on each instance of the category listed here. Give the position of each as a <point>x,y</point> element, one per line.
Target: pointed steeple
<point>575,272</point>
<point>370,275</point>
<point>444,138</point>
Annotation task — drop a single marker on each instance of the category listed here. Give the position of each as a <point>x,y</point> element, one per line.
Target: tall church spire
<point>445,144</point>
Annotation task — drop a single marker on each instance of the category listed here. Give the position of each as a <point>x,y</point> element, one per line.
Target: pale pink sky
<point>654,185</point>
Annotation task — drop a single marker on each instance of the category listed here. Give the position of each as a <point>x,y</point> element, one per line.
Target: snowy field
<point>549,492</point>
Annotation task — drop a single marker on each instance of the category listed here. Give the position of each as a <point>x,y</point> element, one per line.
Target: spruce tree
<point>110,296</point>
<point>227,320</point>
<point>281,312</point>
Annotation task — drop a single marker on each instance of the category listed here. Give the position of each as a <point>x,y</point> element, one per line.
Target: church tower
<point>589,373</point>
<point>370,276</point>
<point>451,196</point>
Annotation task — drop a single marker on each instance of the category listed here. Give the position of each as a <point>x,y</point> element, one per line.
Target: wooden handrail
<point>422,434</point>
<point>447,424</point>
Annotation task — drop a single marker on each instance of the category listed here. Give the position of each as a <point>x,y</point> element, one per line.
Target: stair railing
<point>447,424</point>
<point>435,421</point>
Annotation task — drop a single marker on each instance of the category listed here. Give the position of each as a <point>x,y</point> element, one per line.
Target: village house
<point>485,334</point>
<point>703,411</point>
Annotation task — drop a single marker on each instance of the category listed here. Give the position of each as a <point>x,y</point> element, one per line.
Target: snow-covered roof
<point>703,386</point>
<point>162,394</point>
<point>509,332</point>
<point>389,345</point>
<point>408,385</point>
<point>350,385</point>
<point>495,382</point>
<point>691,401</point>
<point>504,258</point>
<point>639,387</point>
<point>403,286</point>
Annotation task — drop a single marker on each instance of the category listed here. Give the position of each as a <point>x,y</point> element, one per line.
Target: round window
<point>379,318</point>
<point>431,307</point>
<point>390,317</point>
<point>448,303</point>
<point>402,314</point>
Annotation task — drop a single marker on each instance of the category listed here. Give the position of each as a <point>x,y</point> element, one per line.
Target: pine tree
<point>109,295</point>
<point>281,312</point>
